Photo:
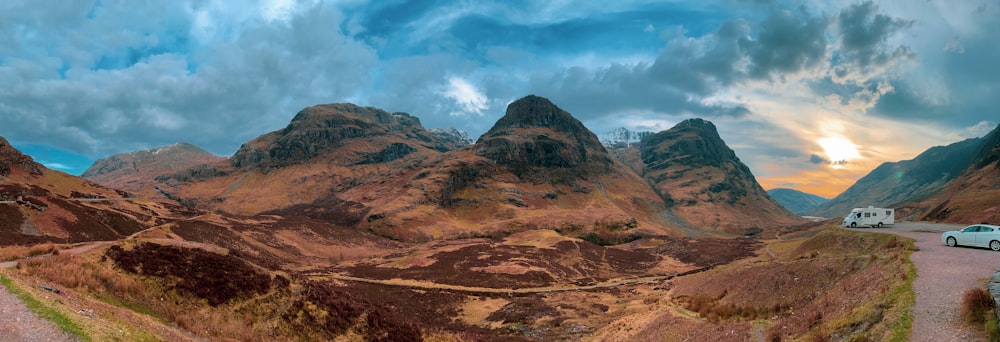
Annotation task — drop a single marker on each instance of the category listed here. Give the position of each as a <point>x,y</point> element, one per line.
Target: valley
<point>358,224</point>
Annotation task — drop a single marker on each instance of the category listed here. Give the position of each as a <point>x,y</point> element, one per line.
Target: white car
<point>979,235</point>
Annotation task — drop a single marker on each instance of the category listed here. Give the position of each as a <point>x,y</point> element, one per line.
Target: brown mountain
<point>537,167</point>
<point>38,204</point>
<point>894,183</point>
<point>130,171</point>
<point>707,185</point>
<point>971,197</point>
<point>364,167</point>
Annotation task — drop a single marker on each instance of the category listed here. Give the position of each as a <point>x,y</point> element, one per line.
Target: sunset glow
<point>839,150</point>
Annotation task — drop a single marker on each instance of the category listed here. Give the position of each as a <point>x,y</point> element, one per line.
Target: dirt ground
<point>943,275</point>
<point>17,323</point>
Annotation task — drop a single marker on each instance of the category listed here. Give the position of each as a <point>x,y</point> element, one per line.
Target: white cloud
<point>469,99</point>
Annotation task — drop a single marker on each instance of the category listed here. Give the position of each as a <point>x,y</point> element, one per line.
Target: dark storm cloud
<point>816,159</point>
<point>83,88</point>
<point>864,33</point>
<point>789,41</point>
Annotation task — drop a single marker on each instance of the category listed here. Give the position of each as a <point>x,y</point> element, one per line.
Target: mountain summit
<point>536,134</point>
<point>705,182</point>
<point>341,129</point>
<point>130,171</point>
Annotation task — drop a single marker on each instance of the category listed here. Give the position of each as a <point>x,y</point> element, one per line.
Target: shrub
<point>214,277</point>
<point>976,305</point>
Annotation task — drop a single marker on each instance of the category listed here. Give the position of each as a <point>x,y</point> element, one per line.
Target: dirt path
<point>17,323</point>
<point>472,289</point>
<point>943,275</point>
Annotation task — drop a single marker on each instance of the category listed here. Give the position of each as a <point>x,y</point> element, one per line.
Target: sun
<point>839,150</point>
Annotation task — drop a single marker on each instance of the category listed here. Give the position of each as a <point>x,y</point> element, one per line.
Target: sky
<point>811,95</point>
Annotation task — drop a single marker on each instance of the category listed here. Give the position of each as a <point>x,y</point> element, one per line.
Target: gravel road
<point>17,323</point>
<point>943,275</point>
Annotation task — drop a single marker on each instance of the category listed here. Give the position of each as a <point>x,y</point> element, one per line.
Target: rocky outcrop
<point>451,138</point>
<point>321,128</point>
<point>694,143</point>
<point>11,158</point>
<point>389,153</point>
<point>536,136</point>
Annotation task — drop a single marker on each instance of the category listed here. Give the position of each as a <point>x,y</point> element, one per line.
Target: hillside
<point>703,181</point>
<point>130,171</point>
<point>42,205</point>
<point>895,183</point>
<point>798,202</point>
<point>973,196</point>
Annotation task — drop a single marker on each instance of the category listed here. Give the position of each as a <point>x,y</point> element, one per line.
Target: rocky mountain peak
<point>330,126</point>
<point>536,111</point>
<point>694,169</point>
<point>537,134</point>
<point>11,158</point>
<point>691,142</point>
<point>453,136</point>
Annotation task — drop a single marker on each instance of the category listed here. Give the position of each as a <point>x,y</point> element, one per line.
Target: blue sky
<point>810,94</point>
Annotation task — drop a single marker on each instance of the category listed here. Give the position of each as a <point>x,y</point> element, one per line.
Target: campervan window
<point>868,214</point>
<point>887,213</point>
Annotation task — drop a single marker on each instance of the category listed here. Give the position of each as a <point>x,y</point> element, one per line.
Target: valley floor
<point>943,275</point>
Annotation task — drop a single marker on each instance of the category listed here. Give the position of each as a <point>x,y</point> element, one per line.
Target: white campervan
<point>871,217</point>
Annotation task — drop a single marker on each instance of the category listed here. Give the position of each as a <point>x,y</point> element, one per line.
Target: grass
<point>18,252</point>
<point>891,310</point>
<point>904,298</point>
<point>44,311</point>
<point>976,305</point>
<point>993,328</point>
<point>977,308</point>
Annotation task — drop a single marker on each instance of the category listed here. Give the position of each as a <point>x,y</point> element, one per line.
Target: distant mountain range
<point>130,171</point>
<point>798,202</point>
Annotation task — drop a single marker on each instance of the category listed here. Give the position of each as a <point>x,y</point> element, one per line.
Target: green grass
<point>135,307</point>
<point>44,311</point>
<point>992,330</point>
<point>904,297</point>
<point>896,303</point>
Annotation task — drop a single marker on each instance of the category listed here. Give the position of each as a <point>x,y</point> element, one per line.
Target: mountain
<point>129,171</point>
<point>895,183</point>
<point>538,167</point>
<point>354,134</point>
<point>796,201</point>
<point>704,182</point>
<point>38,205</point>
<point>537,138</point>
<point>973,196</point>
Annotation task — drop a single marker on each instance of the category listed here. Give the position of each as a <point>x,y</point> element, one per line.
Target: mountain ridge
<point>796,201</point>
<point>893,184</point>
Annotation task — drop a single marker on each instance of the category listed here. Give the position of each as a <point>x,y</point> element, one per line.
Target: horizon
<point>811,96</point>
